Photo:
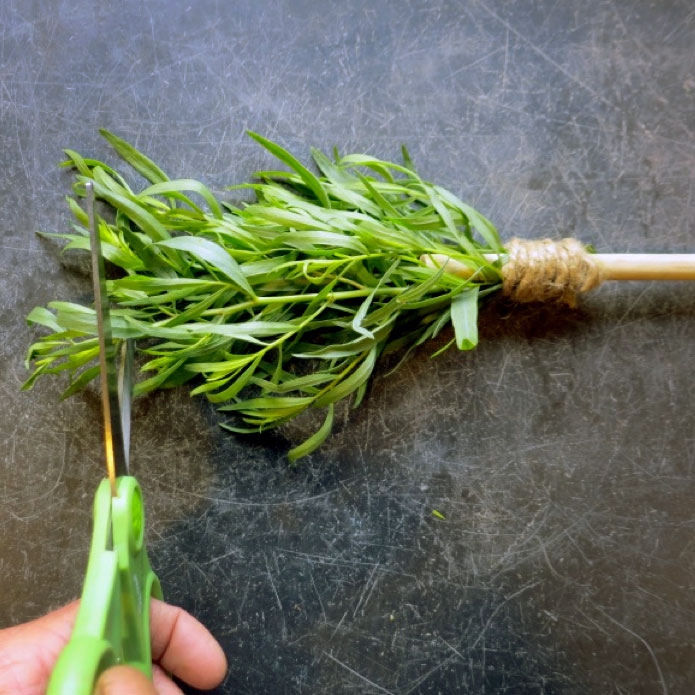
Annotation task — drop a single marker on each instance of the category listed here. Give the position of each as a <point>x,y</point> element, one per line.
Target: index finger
<point>184,647</point>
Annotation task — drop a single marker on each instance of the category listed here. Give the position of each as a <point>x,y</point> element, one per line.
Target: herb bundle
<point>276,306</point>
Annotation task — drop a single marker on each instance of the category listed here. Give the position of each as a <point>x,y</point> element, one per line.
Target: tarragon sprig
<point>278,306</point>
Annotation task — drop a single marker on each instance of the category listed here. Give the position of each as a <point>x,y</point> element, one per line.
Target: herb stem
<point>308,297</point>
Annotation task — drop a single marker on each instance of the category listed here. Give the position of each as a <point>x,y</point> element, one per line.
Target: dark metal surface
<point>561,452</point>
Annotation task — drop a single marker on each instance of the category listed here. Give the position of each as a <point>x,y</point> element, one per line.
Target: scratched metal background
<point>561,452</point>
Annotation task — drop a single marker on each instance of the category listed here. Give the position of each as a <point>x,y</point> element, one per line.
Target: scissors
<point>113,621</point>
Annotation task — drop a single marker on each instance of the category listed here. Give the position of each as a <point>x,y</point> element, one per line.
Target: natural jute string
<point>547,270</point>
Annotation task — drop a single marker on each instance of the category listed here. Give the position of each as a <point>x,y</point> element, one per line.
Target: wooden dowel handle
<point>615,266</point>
<point>647,266</point>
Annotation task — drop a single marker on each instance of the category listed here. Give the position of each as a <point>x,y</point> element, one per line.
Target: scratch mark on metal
<point>664,688</point>
<point>359,675</point>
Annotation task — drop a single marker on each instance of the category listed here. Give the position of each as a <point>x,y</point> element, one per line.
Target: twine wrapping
<point>547,270</point>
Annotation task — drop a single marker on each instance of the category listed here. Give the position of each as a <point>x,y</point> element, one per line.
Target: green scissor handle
<point>113,621</point>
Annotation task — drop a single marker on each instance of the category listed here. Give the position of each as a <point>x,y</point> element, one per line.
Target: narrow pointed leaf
<point>214,254</point>
<point>314,442</point>
<point>142,164</point>
<point>167,187</point>
<point>283,155</point>
<point>464,316</point>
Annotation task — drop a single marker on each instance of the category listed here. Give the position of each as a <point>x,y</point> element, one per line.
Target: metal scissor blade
<point>114,441</point>
<point>125,392</point>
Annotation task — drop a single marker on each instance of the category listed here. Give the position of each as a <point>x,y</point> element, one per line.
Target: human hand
<point>180,646</point>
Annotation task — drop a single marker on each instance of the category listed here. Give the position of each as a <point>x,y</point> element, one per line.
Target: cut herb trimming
<point>276,306</point>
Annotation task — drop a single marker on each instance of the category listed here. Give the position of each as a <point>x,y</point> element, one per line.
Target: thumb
<point>124,680</point>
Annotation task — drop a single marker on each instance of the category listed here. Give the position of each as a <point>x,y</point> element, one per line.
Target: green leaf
<point>351,347</point>
<point>351,383</point>
<point>82,380</point>
<point>120,256</point>
<point>270,405</point>
<point>217,369</point>
<point>314,442</point>
<point>451,227</point>
<point>381,168</point>
<point>284,156</point>
<point>237,385</point>
<point>77,211</point>
<point>464,316</point>
<point>364,307</point>
<point>166,188</point>
<point>290,220</point>
<point>159,380</point>
<point>331,171</point>
<point>214,254</point>
<point>137,213</point>
<point>304,384</point>
<point>79,163</point>
<point>381,201</point>
<point>43,317</point>
<point>481,224</point>
<point>142,164</point>
<point>406,158</point>
<point>248,330</point>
